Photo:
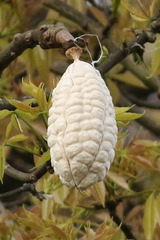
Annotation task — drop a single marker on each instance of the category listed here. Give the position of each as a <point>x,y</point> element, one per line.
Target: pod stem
<point>74,52</point>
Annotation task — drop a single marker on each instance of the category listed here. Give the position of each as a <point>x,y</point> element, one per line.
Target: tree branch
<point>28,177</point>
<point>142,74</point>
<point>83,21</point>
<point>137,45</point>
<point>138,95</point>
<point>27,187</point>
<point>47,36</point>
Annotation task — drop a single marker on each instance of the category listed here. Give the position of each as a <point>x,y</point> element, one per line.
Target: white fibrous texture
<point>82,130</point>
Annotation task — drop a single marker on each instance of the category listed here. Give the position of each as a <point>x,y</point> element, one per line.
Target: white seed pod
<point>82,131</point>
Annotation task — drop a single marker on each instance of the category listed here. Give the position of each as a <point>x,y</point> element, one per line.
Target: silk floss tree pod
<point>82,131</point>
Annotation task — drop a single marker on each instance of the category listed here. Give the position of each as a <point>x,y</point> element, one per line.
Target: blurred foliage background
<point>130,192</point>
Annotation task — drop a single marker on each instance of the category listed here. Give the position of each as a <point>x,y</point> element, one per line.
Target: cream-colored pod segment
<point>82,131</point>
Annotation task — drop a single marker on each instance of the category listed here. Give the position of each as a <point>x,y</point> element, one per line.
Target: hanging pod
<point>82,130</point>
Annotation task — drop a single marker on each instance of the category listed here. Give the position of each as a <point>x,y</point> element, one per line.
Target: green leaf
<point>26,115</point>
<point>140,19</point>
<point>152,8</point>
<point>17,124</point>
<point>17,138</point>
<point>105,50</point>
<point>30,88</point>
<point>2,162</point>
<point>127,116</point>
<point>123,115</point>
<point>9,127</point>
<point>157,208</point>
<point>44,158</point>
<point>139,13</point>
<point>23,106</point>
<point>118,179</point>
<point>41,97</point>
<point>4,113</point>
<point>122,124</point>
<point>149,219</point>
<point>120,110</point>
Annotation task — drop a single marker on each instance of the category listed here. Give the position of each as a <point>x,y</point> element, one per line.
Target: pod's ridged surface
<point>82,130</point>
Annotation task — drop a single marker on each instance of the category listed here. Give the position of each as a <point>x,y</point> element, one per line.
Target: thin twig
<point>111,205</point>
<point>137,45</point>
<point>141,73</point>
<point>27,187</point>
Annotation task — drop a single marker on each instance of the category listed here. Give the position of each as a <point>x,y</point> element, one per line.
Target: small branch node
<point>43,28</point>
<point>12,54</point>
<point>33,178</point>
<point>138,33</point>
<point>155,24</point>
<point>151,36</point>
<point>50,170</point>
<point>17,35</point>
<point>137,46</point>
<point>28,36</point>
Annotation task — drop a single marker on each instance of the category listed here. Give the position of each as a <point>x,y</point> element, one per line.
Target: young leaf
<point>149,219</point>
<point>41,97</point>
<point>118,179</point>
<point>59,232</point>
<point>45,233</point>
<point>99,192</point>
<point>32,220</point>
<point>9,127</point>
<point>123,115</point>
<point>120,110</point>
<point>26,115</point>
<point>140,19</point>
<point>44,158</point>
<point>105,50</point>
<point>30,88</point>
<point>17,124</point>
<point>127,116</point>
<point>17,138</point>
<point>23,106</point>
<point>2,162</point>
<point>122,124</point>
<point>139,13</point>
<point>157,208</point>
<point>4,113</point>
<point>141,160</point>
<point>153,6</point>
